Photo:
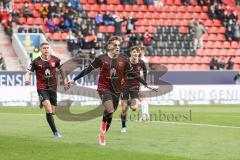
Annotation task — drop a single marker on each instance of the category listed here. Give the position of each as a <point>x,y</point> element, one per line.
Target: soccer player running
<point>46,74</point>
<point>113,69</point>
<point>132,85</point>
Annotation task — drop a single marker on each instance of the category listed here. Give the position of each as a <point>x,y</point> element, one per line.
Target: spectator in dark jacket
<point>230,64</point>
<point>212,12</point>
<point>130,26</point>
<point>229,33</point>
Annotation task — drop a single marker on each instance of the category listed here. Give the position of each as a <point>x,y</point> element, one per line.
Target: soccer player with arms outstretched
<point>113,70</point>
<point>46,74</point>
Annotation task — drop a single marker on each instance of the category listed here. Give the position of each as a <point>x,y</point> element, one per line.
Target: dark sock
<point>50,121</point>
<point>107,117</point>
<point>109,121</point>
<point>123,118</point>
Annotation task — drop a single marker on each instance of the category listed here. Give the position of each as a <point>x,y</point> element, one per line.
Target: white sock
<point>145,111</point>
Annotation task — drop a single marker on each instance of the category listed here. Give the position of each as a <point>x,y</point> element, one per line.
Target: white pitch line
<point>191,124</point>
<point>178,123</point>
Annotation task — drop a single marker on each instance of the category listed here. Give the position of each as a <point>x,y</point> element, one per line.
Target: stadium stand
<point>173,46</point>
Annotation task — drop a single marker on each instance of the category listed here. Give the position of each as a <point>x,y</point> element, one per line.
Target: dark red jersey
<point>113,71</point>
<point>131,81</point>
<point>46,73</point>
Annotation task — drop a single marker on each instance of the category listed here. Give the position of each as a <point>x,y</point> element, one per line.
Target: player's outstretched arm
<point>27,78</point>
<point>95,64</point>
<point>64,77</point>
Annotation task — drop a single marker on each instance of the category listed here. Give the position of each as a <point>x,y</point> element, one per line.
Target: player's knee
<point>134,107</point>
<point>134,104</point>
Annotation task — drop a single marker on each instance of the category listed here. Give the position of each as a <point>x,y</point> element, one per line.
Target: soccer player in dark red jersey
<point>46,74</point>
<point>131,93</point>
<point>113,70</point>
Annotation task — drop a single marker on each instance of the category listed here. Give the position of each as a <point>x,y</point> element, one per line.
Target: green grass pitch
<point>211,133</point>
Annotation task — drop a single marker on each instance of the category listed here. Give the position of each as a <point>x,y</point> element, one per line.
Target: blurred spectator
<point>224,18</point>
<point>230,64</point>
<point>6,3</point>
<point>147,42</point>
<point>211,12</point>
<point>220,64</point>
<point>90,40</point>
<point>130,26</point>
<point>185,2</point>
<point>107,19</point>
<point>78,25</point>
<point>60,10</point>
<point>118,26</point>
<point>70,41</point>
<point>229,33</point>
<point>132,2</point>
<point>148,2</point>
<point>8,26</point>
<point>75,4</point>
<point>202,2</point>
<point>2,62</point>
<point>52,10</point>
<point>80,40</point>
<point>132,40</point>
<point>102,1</point>
<point>52,27</point>
<point>237,78</point>
<point>4,15</point>
<point>213,63</point>
<point>158,3</point>
<point>236,33</point>
<point>69,23</point>
<point>35,53</point>
<point>26,11</point>
<point>219,10</point>
<point>99,19</point>
<point>43,10</point>
<point>234,17</point>
<point>191,26</point>
<point>199,30</point>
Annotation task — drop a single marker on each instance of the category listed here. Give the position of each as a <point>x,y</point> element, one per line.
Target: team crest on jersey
<point>53,64</point>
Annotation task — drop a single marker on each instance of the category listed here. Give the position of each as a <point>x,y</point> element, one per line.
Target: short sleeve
<point>32,66</point>
<point>58,63</point>
<point>96,63</point>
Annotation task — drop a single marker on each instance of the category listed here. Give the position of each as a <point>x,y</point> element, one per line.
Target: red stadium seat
<point>95,7</point>
<point>56,36</point>
<point>103,29</point>
<point>113,2</point>
<point>91,1</point>
<point>83,1</point>
<point>87,7</point>
<point>103,7</point>
<point>39,21</point>
<point>177,2</point>
<point>64,36</point>
<point>111,8</point>
<point>235,44</point>
<point>119,7</point>
<point>128,8</point>
<point>183,30</point>
<point>217,23</point>
<point>92,14</point>
<point>22,20</point>
<point>37,6</point>
<point>226,44</point>
<point>30,21</point>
